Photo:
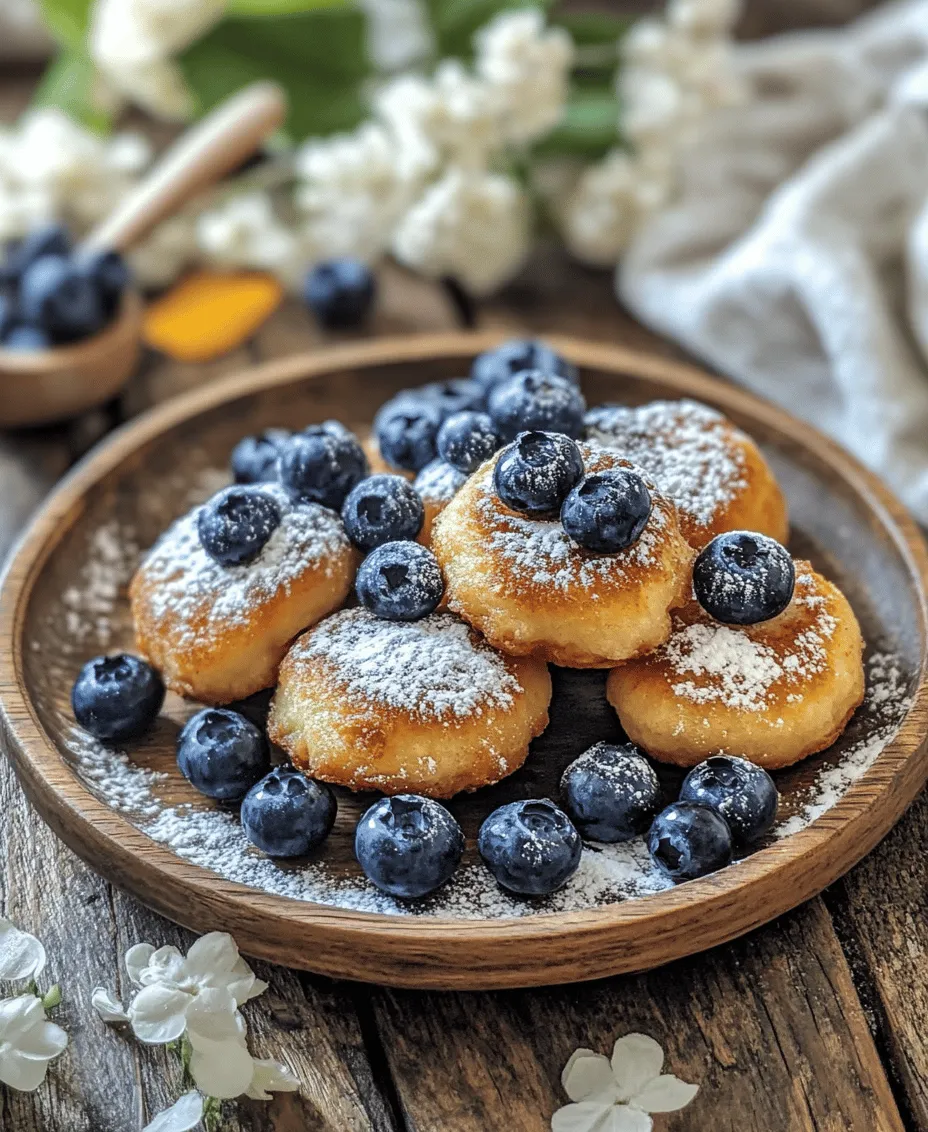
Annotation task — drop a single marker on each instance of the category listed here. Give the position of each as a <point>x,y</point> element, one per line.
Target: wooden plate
<point>843,518</point>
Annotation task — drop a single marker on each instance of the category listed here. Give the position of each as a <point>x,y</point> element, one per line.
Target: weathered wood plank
<point>769,1027</point>
<point>881,911</point>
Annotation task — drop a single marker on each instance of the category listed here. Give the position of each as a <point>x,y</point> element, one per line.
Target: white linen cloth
<point>796,259</point>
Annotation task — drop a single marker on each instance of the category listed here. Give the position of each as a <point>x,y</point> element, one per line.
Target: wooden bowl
<point>39,387</point>
<point>843,518</point>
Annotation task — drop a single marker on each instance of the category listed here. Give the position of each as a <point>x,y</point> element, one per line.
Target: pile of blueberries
<point>51,295</point>
<point>524,396</point>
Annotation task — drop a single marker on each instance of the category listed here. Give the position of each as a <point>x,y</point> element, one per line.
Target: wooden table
<point>814,1022</point>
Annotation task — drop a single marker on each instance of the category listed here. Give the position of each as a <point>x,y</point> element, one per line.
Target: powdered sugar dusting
<point>439,482</point>
<point>88,604</point>
<point>433,668</point>
<point>741,672</point>
<point>182,575</point>
<point>684,446</point>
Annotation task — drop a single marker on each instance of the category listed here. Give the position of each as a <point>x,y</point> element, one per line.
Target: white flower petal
<point>221,1069</point>
<point>257,987</point>
<point>665,1094</point>
<point>588,1077</point>
<point>271,1077</point>
<point>137,959</point>
<point>20,1072</point>
<point>212,954</point>
<point>159,1014</point>
<point>621,1118</point>
<point>43,1042</point>
<point>180,1117</point>
<point>21,954</point>
<point>107,1007</point>
<point>166,965</point>
<point>18,1016</point>
<point>636,1060</point>
<point>212,1015</point>
<point>586,1116</point>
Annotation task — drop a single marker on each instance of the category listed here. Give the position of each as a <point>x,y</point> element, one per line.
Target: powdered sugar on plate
<point>433,668</point>
<point>684,446</point>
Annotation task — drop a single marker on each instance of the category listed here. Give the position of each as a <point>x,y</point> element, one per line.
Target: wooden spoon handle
<point>198,158</point>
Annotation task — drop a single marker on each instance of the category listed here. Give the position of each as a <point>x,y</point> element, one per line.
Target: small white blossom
<point>470,225</point>
<point>183,1115</point>
<point>607,205</point>
<point>245,232</point>
<point>618,1096</point>
<point>171,247</point>
<point>271,1076</point>
<point>353,188</point>
<point>28,1042</point>
<point>398,33</point>
<point>528,67</point>
<point>22,956</point>
<point>107,1007</point>
<point>133,43</point>
<point>703,17</point>
<point>463,121</point>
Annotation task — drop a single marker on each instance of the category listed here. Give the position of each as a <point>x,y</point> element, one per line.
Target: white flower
<point>22,956</point>
<point>270,1076</point>
<point>463,120</point>
<point>199,992</point>
<point>703,17</point>
<point>470,225</point>
<point>353,188</point>
<point>107,1007</point>
<point>398,33</point>
<point>183,1115</point>
<point>618,1096</point>
<point>159,259</point>
<point>133,41</point>
<point>602,213</point>
<point>28,1042</point>
<point>528,66</point>
<point>245,232</point>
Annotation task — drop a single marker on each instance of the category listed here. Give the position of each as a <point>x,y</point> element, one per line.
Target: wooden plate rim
<point>778,875</point>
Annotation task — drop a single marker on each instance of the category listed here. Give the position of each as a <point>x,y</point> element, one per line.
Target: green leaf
<point>319,58</point>
<point>593,29</point>
<point>454,22</point>
<point>68,83</point>
<point>52,997</point>
<point>262,8</point>
<point>588,129</point>
<point>67,20</point>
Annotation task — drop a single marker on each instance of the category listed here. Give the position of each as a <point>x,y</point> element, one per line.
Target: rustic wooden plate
<point>60,606</point>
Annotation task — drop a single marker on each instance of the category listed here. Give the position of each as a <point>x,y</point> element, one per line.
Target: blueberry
<point>536,400</point>
<point>531,847</point>
<point>24,337</point>
<point>116,697</point>
<point>607,511</point>
<point>222,753</point>
<point>611,793</point>
<point>456,395</point>
<point>742,578</point>
<point>743,793</point>
<point>466,439</point>
<point>407,845</point>
<point>534,474</point>
<point>254,458</point>
<point>109,273</point>
<point>236,524</point>
<point>49,239</point>
<point>340,292</point>
<point>54,294</point>
<point>382,509</point>
<point>400,581</point>
<point>322,464</point>
<point>287,814</point>
<point>406,430</point>
<point>497,365</point>
<point>688,840</point>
